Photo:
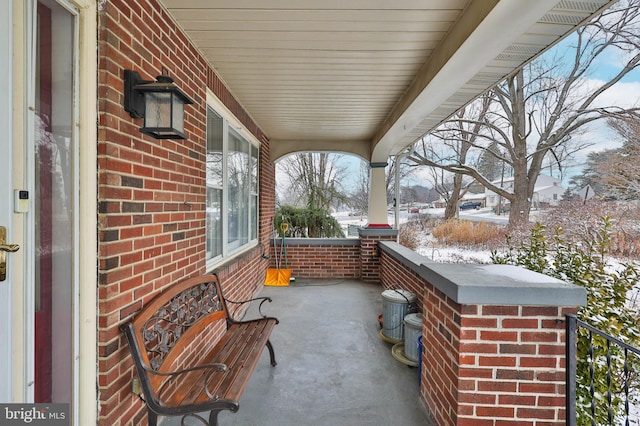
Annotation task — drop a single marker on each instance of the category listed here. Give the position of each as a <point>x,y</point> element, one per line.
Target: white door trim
<point>87,395</point>
<point>7,334</point>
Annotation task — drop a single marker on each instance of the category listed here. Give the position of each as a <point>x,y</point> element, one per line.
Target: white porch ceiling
<point>367,76</point>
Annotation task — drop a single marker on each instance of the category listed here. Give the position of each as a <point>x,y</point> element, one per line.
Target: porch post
<point>377,197</point>
<point>497,343</point>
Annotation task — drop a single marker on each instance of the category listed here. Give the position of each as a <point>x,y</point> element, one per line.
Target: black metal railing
<point>610,357</point>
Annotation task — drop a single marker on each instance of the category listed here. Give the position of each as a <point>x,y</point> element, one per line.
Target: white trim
<point>7,293</point>
<point>230,124</point>
<point>88,400</point>
<point>227,115</point>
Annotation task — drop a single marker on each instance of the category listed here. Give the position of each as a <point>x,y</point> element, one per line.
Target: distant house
<point>586,193</point>
<point>547,192</point>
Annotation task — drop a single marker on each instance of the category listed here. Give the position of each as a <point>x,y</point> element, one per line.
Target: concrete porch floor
<point>333,367</point>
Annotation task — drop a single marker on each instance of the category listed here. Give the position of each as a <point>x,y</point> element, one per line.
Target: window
<point>232,187</point>
<point>215,183</point>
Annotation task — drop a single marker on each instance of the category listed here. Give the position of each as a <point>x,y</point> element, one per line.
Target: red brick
<point>497,361</point>
<point>479,322</point>
<point>500,336</point>
<point>518,349</point>
<point>540,311</point>
<point>467,360</point>
<point>504,374</point>
<point>538,362</point>
<point>551,376</point>
<point>473,421</point>
<point>479,348</point>
<point>497,386</point>
<point>538,388</point>
<point>480,373</point>
<point>550,401</point>
<point>535,413</point>
<point>552,349</point>
<point>517,399</point>
<point>494,412</point>
<point>489,310</point>
<point>520,323</point>
<point>476,398</point>
<point>539,336</point>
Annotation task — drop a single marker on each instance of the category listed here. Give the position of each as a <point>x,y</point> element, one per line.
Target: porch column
<point>377,197</point>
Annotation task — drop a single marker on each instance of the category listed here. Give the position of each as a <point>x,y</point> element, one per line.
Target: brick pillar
<point>496,345</point>
<point>370,253</point>
<point>490,364</point>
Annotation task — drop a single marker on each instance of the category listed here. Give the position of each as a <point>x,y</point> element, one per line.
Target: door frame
<point>85,398</point>
<point>7,333</point>
<point>86,408</point>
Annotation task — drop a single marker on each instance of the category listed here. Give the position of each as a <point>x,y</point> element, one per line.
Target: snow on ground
<point>432,250</point>
<point>428,246</point>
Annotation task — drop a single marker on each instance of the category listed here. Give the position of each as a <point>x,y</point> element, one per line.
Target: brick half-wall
<point>317,257</point>
<point>497,361</point>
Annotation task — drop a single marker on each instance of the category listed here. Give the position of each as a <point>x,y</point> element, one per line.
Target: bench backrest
<point>174,318</point>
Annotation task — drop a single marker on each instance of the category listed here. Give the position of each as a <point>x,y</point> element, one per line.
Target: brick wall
<point>318,258</point>
<point>484,364</point>
<point>152,192</point>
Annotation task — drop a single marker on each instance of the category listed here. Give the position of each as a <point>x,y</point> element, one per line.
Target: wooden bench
<point>177,381</point>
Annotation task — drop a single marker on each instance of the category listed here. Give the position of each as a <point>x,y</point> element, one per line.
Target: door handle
<point>4,249</point>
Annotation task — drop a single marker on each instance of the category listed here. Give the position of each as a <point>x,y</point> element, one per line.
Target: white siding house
<point>548,191</point>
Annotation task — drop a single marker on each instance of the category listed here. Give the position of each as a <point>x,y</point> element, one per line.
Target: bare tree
<point>314,179</point>
<point>619,171</point>
<point>360,196</point>
<point>450,145</point>
<point>536,113</point>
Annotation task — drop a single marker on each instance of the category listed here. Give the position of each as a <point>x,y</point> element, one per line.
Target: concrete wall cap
<point>317,241</point>
<point>501,285</point>
<point>474,284</point>
<point>374,232</point>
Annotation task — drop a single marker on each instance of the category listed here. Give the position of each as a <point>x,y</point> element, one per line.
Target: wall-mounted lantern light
<point>159,102</point>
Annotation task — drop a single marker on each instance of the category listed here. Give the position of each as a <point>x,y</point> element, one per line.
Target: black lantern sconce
<point>159,102</point>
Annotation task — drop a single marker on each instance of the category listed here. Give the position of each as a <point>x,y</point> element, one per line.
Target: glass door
<point>54,158</point>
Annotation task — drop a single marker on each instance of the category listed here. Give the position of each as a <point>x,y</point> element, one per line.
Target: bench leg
<point>153,418</point>
<point>271,353</point>
<point>213,418</point>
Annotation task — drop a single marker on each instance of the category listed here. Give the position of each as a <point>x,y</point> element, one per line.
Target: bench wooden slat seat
<point>174,380</point>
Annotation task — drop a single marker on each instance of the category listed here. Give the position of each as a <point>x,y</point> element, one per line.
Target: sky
<point>625,93</point>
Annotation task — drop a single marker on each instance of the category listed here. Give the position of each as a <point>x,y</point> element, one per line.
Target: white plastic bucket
<point>395,304</point>
<point>412,332</point>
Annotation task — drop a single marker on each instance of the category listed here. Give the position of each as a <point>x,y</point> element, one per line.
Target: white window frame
<point>232,124</point>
